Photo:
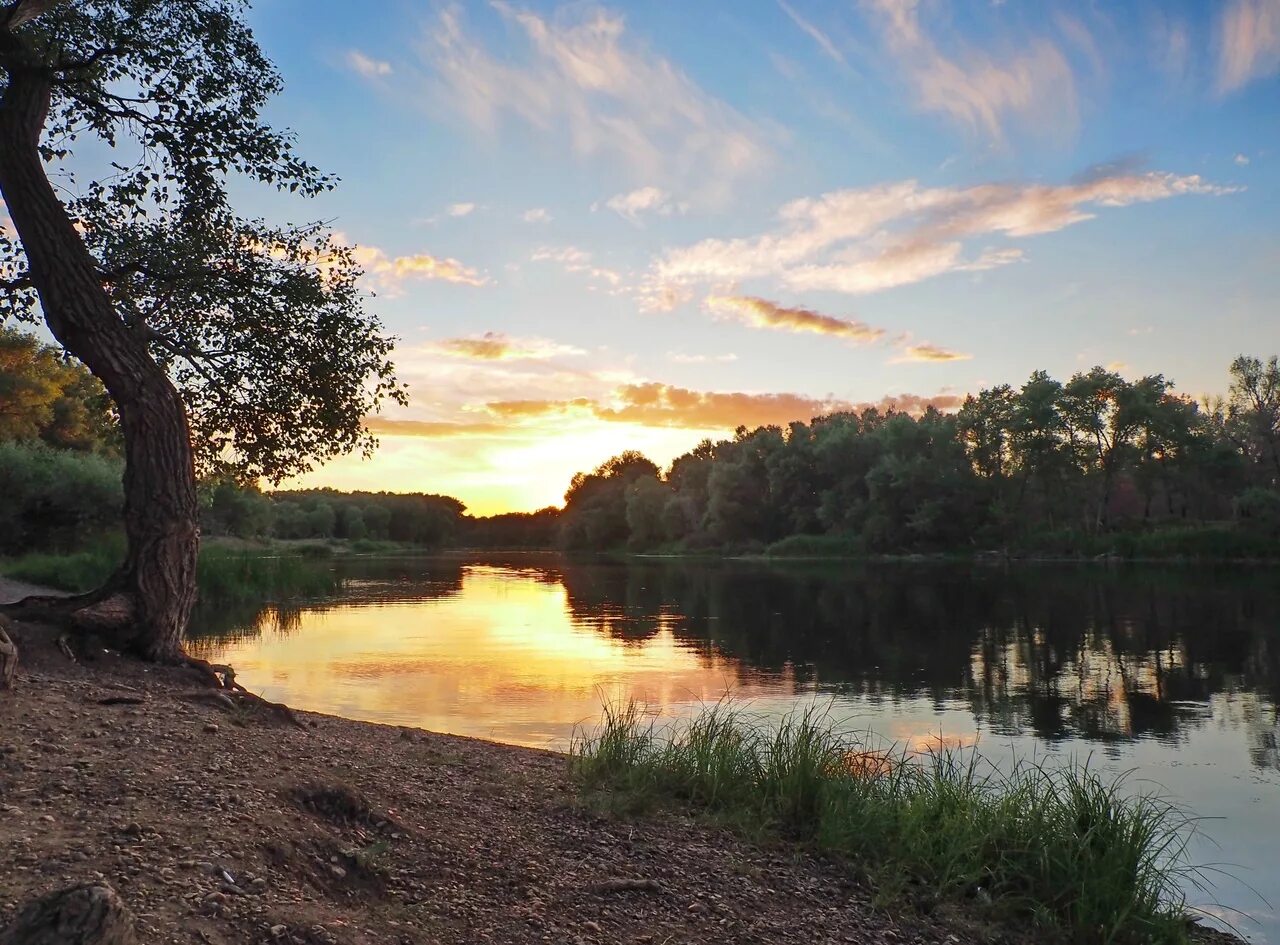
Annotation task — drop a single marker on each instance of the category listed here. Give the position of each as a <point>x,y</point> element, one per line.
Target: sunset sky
<point>602,227</point>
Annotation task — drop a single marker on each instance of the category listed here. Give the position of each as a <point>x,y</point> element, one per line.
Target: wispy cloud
<point>433,429</point>
<point>581,75</point>
<point>978,89</point>
<point>871,239</point>
<point>460,209</point>
<point>633,204</point>
<point>665,405</point>
<point>929,353</point>
<point>762,313</point>
<point>1248,42</point>
<point>679,357</point>
<point>822,39</point>
<point>536,215</point>
<point>367,66</point>
<point>495,346</point>
<point>1241,159</point>
<point>390,272</point>
<point>573,259</point>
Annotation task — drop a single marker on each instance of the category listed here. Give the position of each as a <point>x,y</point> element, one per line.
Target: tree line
<point>1094,455</point>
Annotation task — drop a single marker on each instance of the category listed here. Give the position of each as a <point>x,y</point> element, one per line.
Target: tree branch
<point>24,11</point>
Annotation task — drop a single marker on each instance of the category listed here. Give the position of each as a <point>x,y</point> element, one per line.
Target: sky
<point>595,228</point>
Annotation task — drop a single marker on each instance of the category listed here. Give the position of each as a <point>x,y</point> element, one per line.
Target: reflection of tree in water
<point>364,581</point>
<point>1106,655</point>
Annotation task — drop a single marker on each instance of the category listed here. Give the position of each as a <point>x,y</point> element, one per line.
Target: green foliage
<point>1259,513</point>
<point>53,498</point>
<point>224,575</point>
<point>1097,465</point>
<point>1061,848</point>
<point>44,397</point>
<point>262,326</point>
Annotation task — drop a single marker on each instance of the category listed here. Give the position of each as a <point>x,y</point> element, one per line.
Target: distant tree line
<point>1095,455</point>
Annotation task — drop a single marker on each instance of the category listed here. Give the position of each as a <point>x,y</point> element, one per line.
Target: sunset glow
<point>593,231</point>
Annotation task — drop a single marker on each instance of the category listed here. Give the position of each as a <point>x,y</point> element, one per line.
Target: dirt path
<point>11,590</point>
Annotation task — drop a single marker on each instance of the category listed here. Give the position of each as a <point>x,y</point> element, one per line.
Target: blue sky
<point>595,227</point>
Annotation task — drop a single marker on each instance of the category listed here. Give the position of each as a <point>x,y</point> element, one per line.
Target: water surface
<point>1171,673</point>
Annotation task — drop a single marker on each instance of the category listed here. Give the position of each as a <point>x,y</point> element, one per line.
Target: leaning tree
<point>224,341</point>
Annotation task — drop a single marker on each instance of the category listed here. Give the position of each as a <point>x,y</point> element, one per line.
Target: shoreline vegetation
<point>1074,855</point>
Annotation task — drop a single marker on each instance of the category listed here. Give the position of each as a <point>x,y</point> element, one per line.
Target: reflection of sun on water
<point>506,648</point>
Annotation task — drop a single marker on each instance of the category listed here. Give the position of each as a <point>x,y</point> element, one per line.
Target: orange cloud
<point>654,404</point>
<point>928,352</point>
<point>390,272</point>
<point>429,428</point>
<point>495,346</point>
<point>762,313</point>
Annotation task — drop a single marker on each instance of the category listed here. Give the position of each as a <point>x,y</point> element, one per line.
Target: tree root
<point>229,693</point>
<point>8,658</point>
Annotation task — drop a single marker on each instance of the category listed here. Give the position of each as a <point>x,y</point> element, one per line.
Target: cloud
<point>871,239</point>
<point>762,313</point>
<point>824,42</point>
<point>976,89</point>
<point>662,405</point>
<point>460,209</point>
<point>537,215</point>
<point>573,259</point>
<point>678,357</point>
<point>581,76</point>
<point>644,200</point>
<point>1248,42</point>
<point>929,352</point>
<point>1241,159</point>
<point>366,66</point>
<point>495,346</point>
<point>434,429</point>
<point>391,272</point>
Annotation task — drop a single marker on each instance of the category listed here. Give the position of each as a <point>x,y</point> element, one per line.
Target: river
<point>1170,674</point>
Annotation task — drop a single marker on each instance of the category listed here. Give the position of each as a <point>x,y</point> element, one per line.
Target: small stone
<point>338,872</point>
<point>278,931</point>
<point>211,728</point>
<point>593,927</point>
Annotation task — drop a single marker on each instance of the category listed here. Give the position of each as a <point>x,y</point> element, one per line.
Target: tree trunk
<point>81,915</point>
<point>8,658</point>
<point>145,606</point>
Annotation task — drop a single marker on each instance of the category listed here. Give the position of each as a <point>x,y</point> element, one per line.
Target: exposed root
<point>8,658</point>
<point>64,647</point>
<point>228,692</point>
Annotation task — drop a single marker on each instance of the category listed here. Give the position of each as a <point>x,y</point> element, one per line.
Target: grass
<point>1077,855</point>
<point>223,574</point>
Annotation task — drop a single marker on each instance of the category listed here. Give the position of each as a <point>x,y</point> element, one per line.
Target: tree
<point>197,320</point>
<point>1254,413</point>
<point>43,396</point>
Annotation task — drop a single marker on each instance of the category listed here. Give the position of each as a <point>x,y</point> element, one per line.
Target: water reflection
<point>1174,673</point>
<point>1056,653</point>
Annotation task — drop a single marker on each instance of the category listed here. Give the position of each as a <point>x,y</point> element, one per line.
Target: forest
<point>1094,464</point>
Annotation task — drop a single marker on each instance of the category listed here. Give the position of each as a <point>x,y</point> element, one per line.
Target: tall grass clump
<point>223,575</point>
<point>230,575</point>
<point>1077,854</point>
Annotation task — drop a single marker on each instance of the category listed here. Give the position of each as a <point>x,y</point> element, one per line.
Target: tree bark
<point>81,915</point>
<point>8,658</point>
<point>145,606</point>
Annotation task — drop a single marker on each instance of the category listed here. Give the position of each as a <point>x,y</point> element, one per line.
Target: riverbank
<point>233,826</point>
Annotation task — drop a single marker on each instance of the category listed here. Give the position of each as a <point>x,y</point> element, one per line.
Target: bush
<point>1062,849</point>
<point>1259,512</point>
<point>54,498</point>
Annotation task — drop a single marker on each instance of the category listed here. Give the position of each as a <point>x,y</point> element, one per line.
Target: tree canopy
<point>262,326</point>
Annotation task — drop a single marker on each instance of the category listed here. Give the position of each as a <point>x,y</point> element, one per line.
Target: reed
<point>1079,855</point>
